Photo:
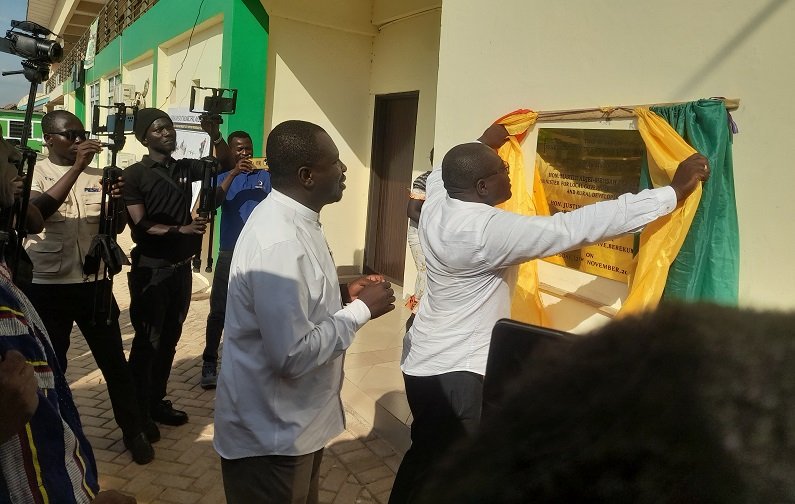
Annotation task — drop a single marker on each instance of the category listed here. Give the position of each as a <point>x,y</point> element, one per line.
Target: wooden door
<point>394,126</point>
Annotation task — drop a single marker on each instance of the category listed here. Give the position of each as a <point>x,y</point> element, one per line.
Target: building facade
<point>390,80</point>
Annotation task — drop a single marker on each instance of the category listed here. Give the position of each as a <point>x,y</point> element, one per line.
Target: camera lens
<point>53,50</point>
<point>36,48</point>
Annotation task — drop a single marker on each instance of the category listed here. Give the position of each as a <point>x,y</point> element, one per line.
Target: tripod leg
<point>108,298</point>
<point>209,267</point>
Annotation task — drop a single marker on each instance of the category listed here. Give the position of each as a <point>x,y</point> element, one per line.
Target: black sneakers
<point>140,448</point>
<point>164,413</point>
<point>209,375</point>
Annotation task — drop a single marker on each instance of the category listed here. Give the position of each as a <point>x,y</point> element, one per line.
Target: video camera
<point>34,47</point>
<point>105,257</point>
<point>37,53</point>
<point>122,114</point>
<point>214,101</point>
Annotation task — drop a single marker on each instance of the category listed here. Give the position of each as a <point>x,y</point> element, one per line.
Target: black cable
<point>190,37</point>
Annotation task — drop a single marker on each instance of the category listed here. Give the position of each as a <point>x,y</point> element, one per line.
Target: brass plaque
<point>579,167</point>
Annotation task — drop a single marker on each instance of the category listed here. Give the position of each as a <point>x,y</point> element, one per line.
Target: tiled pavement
<point>358,466</point>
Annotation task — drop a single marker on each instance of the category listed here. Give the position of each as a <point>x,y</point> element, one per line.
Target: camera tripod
<point>13,220</point>
<point>104,251</point>
<point>207,209</point>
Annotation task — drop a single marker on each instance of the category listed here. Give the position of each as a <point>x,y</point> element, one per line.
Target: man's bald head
<point>467,163</point>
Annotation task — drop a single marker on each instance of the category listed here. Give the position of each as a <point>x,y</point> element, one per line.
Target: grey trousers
<point>272,479</point>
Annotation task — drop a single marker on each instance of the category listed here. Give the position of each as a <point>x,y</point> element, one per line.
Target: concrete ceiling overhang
<point>69,19</point>
<point>363,17</point>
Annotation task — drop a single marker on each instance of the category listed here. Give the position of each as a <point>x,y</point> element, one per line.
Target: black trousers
<point>159,302</point>
<point>216,318</point>
<point>273,479</point>
<point>60,306</point>
<point>446,408</point>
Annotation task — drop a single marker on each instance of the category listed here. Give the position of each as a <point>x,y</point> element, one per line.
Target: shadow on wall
<point>732,45</point>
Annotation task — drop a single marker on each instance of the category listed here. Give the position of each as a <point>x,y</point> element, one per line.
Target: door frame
<point>376,162</point>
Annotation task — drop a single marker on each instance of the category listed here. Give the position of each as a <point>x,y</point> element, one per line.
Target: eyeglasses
<point>505,169</point>
<point>71,134</point>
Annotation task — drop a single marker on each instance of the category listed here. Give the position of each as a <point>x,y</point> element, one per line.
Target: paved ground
<point>358,466</point>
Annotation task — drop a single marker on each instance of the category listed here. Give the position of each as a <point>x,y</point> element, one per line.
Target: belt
<point>143,261</point>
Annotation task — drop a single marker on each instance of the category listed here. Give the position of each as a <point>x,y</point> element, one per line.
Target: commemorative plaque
<point>579,167</point>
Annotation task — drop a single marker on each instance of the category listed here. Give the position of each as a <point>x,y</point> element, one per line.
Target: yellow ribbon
<point>526,305</point>
<point>662,239</point>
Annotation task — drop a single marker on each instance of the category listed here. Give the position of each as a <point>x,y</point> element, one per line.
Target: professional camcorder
<point>34,47</point>
<point>37,53</point>
<point>214,101</point>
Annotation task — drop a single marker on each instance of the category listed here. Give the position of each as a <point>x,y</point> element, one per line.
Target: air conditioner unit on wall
<point>125,159</point>
<point>124,93</point>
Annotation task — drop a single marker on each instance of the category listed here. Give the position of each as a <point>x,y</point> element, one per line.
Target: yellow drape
<point>526,305</point>
<point>661,240</point>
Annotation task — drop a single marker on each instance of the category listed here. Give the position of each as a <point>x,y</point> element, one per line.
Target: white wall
<point>322,75</point>
<point>344,15</point>
<point>563,55</point>
<point>137,73</point>
<point>202,62</point>
<point>385,11</point>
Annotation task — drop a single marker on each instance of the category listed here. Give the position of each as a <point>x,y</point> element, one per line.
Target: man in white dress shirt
<point>287,328</point>
<point>472,250</point>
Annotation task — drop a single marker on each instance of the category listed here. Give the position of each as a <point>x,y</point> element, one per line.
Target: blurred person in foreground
<point>44,454</point>
<point>691,403</point>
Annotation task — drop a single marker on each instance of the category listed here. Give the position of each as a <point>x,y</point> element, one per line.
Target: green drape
<point>707,267</point>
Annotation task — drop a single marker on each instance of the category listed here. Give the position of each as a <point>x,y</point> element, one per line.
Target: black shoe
<point>209,375</point>
<point>152,432</point>
<point>140,448</point>
<point>163,412</point>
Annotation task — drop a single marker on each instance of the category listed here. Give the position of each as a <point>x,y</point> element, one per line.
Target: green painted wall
<point>243,65</point>
<point>80,104</point>
<point>244,60</point>
<point>6,116</point>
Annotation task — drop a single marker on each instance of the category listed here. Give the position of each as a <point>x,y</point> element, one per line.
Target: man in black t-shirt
<point>157,193</point>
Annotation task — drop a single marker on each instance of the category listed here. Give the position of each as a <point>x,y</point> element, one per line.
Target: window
<point>113,83</point>
<point>15,129</point>
<point>94,93</point>
<point>93,98</point>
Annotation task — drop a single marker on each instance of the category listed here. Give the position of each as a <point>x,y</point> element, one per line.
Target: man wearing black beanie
<point>157,193</point>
